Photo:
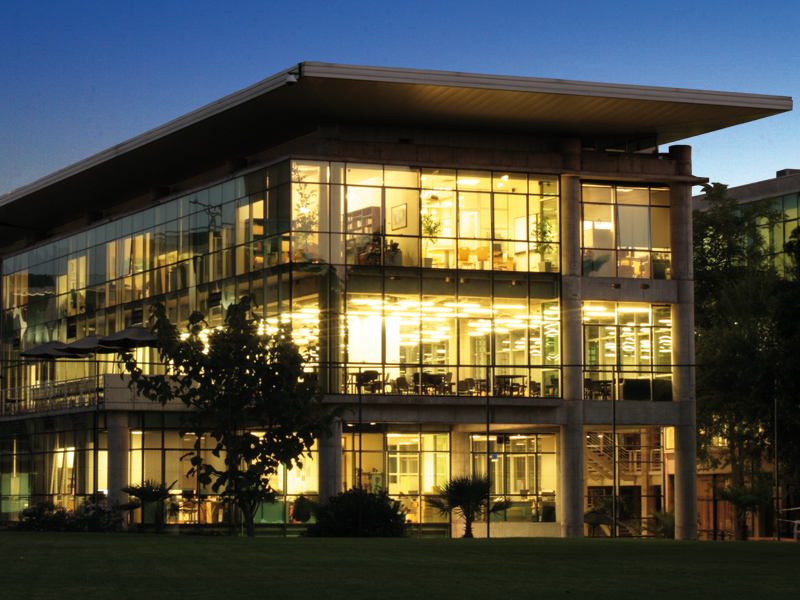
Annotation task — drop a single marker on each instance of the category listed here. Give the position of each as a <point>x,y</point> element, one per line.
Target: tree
<point>729,242</point>
<point>737,298</point>
<point>250,393</point>
<point>469,497</point>
<point>150,493</point>
<point>745,499</point>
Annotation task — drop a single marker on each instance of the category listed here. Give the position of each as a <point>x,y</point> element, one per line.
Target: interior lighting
<point>633,309</point>
<point>468,181</point>
<point>595,308</point>
<point>509,306</point>
<point>475,333</point>
<point>462,305</point>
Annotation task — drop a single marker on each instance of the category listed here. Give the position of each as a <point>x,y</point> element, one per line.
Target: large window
<point>523,469</point>
<point>627,351</point>
<point>626,231</point>
<point>408,463</point>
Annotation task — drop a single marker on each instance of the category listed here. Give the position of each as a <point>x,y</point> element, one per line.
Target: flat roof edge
<point>161,131</point>
<point>773,104</point>
<point>547,86</point>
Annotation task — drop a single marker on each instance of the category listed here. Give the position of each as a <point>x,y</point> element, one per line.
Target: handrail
<point>55,395</point>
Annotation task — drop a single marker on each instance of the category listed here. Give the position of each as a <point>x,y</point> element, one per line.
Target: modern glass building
<point>493,272</point>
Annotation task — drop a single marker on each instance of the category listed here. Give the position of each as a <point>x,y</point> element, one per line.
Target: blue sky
<point>78,77</point>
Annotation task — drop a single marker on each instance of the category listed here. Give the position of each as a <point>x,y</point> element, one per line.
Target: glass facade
<point>61,459</point>
<point>440,280</point>
<point>626,231</point>
<point>778,233</point>
<point>396,280</point>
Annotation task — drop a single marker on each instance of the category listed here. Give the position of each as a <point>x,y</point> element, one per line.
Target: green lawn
<point>150,567</point>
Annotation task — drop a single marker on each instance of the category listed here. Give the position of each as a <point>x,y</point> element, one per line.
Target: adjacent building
<point>495,270</point>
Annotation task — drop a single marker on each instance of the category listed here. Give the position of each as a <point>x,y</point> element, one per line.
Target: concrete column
<point>683,378</point>
<point>569,502</point>
<point>460,466</point>
<point>330,463</point>
<point>119,445</point>
<point>570,149</point>
<point>571,440</point>
<point>459,453</point>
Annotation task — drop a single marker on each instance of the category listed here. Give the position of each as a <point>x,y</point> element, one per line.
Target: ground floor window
<point>624,478</point>
<point>409,463</point>
<point>523,470</point>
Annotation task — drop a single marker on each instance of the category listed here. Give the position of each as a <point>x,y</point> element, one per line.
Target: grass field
<point>150,567</point>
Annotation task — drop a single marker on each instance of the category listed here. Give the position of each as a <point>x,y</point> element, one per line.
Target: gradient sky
<point>77,77</point>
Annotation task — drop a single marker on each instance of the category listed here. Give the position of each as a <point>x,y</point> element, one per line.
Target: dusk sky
<point>78,77</point>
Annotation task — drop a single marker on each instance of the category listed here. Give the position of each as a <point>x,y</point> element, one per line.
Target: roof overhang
<point>272,112</point>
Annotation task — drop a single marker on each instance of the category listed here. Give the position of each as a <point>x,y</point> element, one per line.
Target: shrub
<point>358,513</point>
<point>95,518</point>
<point>44,516</point>
<point>98,518</point>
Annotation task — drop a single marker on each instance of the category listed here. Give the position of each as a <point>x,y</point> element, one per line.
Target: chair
<point>499,261</point>
<point>447,384</point>
<point>369,381</point>
<point>536,389</point>
<point>401,385</point>
<point>482,254</point>
<point>463,258</point>
<point>518,389</point>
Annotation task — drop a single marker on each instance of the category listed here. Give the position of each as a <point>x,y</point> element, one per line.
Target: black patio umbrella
<point>51,350</point>
<point>89,344</point>
<point>132,337</point>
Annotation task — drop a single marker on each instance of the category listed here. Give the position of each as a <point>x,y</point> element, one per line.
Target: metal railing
<point>70,393</point>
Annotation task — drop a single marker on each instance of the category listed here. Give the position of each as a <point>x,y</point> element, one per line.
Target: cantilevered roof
<point>272,112</point>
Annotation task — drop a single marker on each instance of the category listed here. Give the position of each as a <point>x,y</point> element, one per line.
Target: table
<point>505,385</point>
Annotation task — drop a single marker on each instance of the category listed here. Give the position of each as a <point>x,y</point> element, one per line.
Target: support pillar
<point>330,463</point>
<point>570,499</point>
<point>119,445</point>
<point>683,377</point>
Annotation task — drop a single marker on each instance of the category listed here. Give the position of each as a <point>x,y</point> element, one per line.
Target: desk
<point>444,261</point>
<point>505,385</point>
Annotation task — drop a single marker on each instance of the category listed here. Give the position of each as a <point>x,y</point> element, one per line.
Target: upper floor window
<point>626,231</point>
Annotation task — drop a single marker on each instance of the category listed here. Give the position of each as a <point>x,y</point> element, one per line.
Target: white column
<point>570,498</point>
<point>330,463</point>
<point>683,378</point>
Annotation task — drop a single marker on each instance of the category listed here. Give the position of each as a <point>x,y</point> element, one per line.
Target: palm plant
<point>149,492</point>
<point>468,496</point>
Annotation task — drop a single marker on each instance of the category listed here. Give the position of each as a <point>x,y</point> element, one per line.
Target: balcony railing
<point>71,393</point>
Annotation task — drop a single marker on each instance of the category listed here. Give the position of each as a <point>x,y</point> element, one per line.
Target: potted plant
<point>543,236</point>
<point>431,228</point>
